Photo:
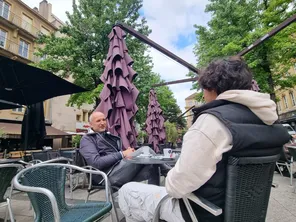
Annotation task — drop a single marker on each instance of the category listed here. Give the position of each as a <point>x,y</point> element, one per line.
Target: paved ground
<point>281,206</point>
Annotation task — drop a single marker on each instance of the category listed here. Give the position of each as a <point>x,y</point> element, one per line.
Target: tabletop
<point>151,160</point>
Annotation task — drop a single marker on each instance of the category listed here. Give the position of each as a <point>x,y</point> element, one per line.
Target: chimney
<point>35,9</point>
<point>45,9</point>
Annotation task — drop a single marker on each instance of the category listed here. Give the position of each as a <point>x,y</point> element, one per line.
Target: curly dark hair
<point>226,74</point>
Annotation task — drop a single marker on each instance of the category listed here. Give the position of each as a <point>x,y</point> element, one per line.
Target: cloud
<point>172,23</point>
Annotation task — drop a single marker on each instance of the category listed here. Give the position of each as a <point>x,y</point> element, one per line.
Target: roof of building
<point>56,18</point>
<point>36,13</point>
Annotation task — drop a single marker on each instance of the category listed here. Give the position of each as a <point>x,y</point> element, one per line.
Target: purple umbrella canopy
<point>119,94</point>
<point>155,122</point>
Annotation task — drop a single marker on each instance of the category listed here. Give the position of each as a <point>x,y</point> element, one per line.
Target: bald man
<point>103,151</point>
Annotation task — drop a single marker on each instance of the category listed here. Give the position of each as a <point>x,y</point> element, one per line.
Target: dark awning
<point>13,131</point>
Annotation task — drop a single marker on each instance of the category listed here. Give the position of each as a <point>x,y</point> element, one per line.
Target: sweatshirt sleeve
<point>202,148</point>
<point>90,153</point>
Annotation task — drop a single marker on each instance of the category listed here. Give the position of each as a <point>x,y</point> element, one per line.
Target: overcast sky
<point>172,23</point>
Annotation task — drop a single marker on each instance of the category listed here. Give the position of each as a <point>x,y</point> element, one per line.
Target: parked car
<point>290,130</point>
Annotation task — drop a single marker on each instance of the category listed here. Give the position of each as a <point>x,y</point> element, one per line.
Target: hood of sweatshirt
<point>259,103</point>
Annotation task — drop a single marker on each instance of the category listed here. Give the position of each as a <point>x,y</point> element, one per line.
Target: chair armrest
<point>156,214</point>
<point>32,162</point>
<point>207,205</point>
<point>36,161</point>
<point>90,175</point>
<point>58,160</point>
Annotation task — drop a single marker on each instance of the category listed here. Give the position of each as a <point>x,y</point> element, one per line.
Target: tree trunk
<point>266,68</point>
<point>271,87</point>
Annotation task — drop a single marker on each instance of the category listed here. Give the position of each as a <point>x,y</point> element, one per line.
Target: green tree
<point>171,132</point>
<point>76,140</point>
<point>171,110</point>
<point>165,97</point>
<point>236,24</point>
<point>81,48</point>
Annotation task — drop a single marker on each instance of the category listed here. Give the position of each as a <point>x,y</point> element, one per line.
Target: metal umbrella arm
<point>171,55</point>
<point>156,46</point>
<point>274,31</point>
<point>186,111</point>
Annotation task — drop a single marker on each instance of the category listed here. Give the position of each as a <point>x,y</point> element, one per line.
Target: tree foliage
<point>171,110</point>
<point>171,132</point>
<point>236,24</point>
<point>80,49</point>
<point>165,97</point>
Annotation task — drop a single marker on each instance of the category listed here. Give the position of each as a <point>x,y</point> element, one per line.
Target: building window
<point>3,35</point>
<point>43,57</point>
<point>292,98</point>
<point>285,102</point>
<point>20,110</point>
<point>78,118</point>
<point>279,106</point>
<point>23,49</point>
<point>27,23</point>
<point>85,117</point>
<point>4,9</point>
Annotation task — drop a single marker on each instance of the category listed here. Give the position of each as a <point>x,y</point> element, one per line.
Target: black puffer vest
<point>251,137</point>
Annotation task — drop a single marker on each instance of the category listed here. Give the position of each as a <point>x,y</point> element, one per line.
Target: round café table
<point>156,160</point>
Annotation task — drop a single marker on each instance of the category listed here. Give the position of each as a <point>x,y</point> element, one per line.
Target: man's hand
<point>128,152</point>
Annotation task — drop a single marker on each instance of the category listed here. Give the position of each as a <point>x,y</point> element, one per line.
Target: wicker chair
<point>7,172</point>
<point>248,185</point>
<point>68,153</point>
<point>52,154</point>
<point>94,188</point>
<point>41,155</point>
<point>45,185</point>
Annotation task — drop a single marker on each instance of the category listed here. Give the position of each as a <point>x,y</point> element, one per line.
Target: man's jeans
<point>125,172</point>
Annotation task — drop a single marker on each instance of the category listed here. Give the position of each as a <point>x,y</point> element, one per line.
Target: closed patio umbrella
<point>155,122</point>
<point>119,94</point>
<point>33,126</point>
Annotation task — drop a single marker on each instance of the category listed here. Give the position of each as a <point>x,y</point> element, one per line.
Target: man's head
<point>98,122</point>
<point>225,74</point>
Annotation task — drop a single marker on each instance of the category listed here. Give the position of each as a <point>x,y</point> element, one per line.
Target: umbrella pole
<point>27,131</point>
